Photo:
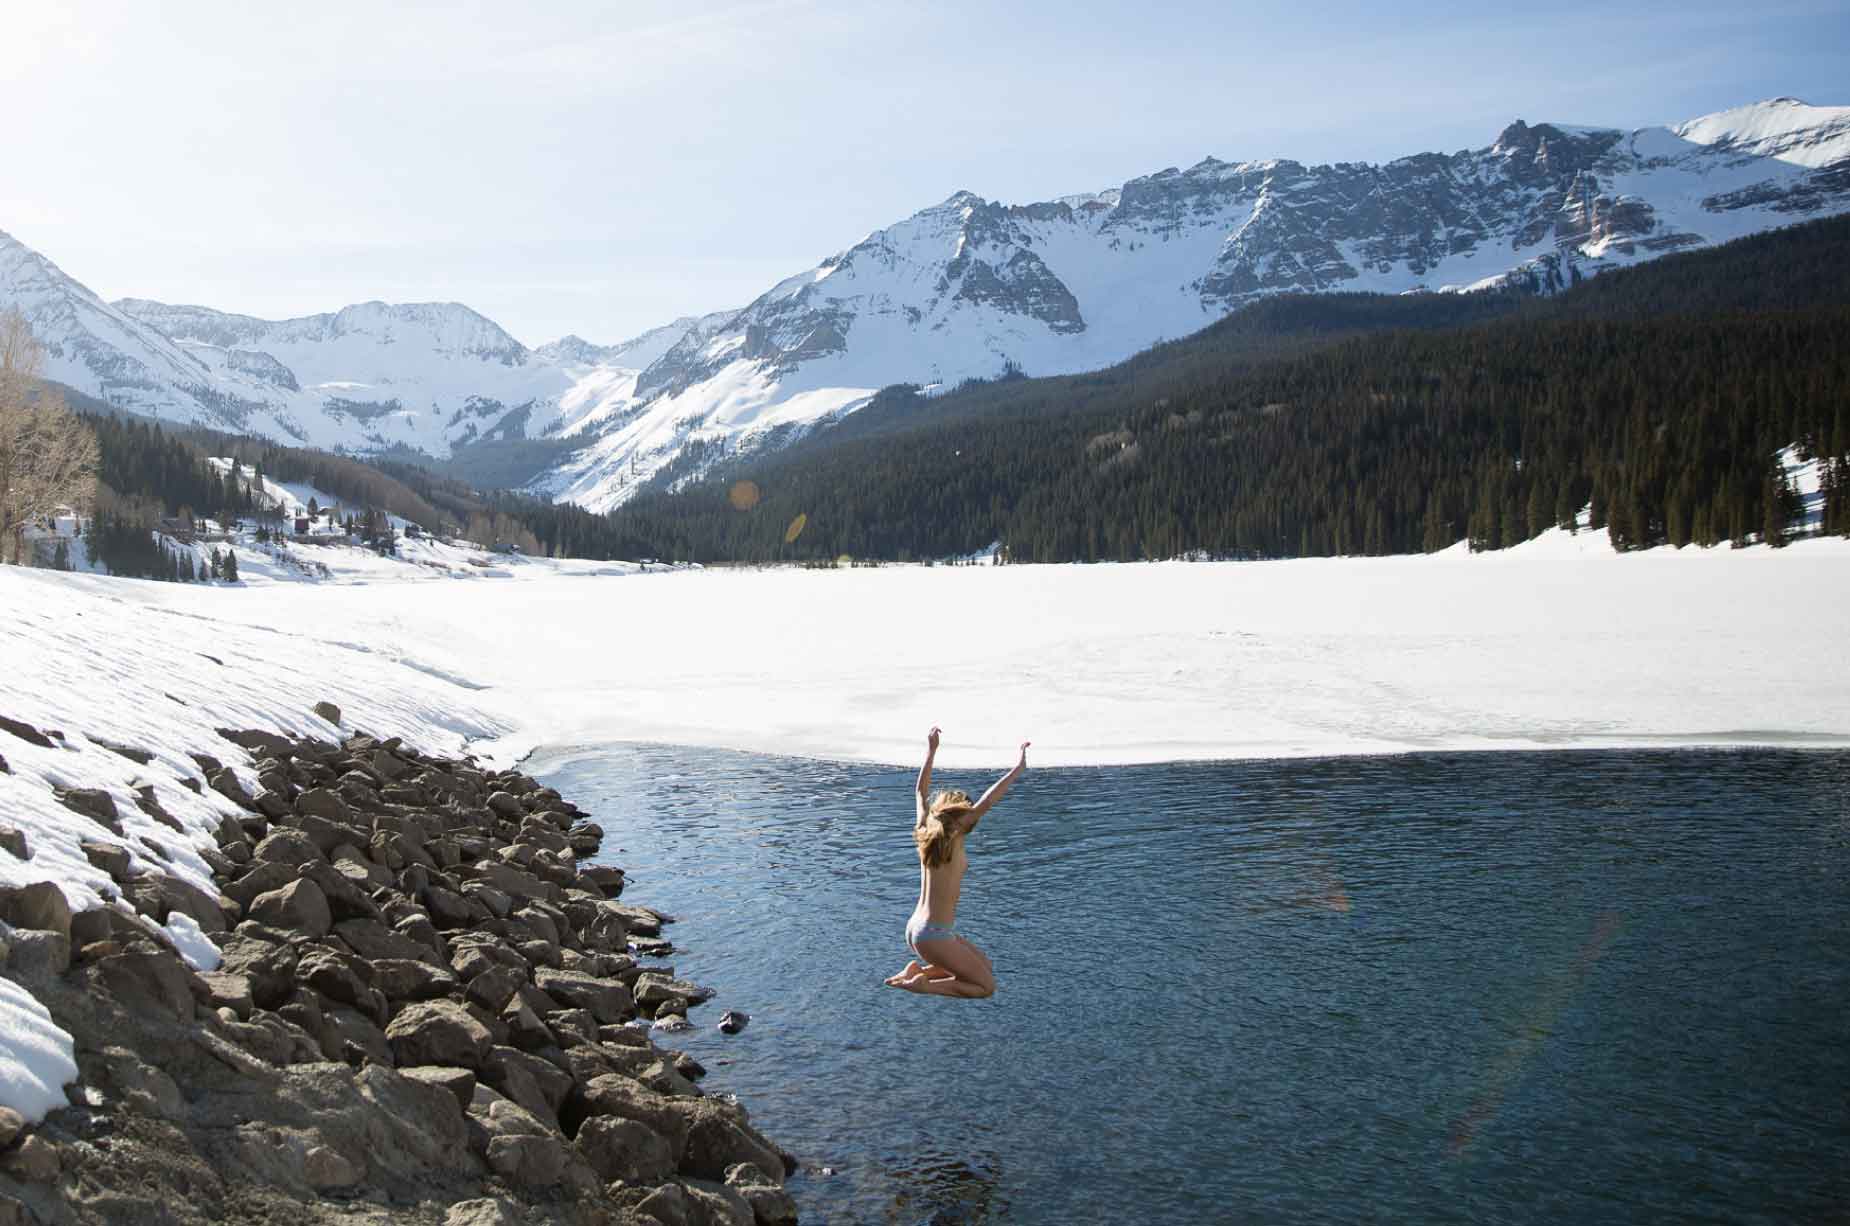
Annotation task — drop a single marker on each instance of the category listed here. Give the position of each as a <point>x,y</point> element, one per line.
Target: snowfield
<point>1553,644</point>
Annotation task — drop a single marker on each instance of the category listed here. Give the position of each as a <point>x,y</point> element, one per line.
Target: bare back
<point>941,887</point>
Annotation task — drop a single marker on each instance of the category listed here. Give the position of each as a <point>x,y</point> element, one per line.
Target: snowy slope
<point>430,376</point>
<point>966,288</point>
<point>969,288</point>
<point>98,349</point>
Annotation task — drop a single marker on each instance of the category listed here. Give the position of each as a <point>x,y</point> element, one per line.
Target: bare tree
<point>48,458</point>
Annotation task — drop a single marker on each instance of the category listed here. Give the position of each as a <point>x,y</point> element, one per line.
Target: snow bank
<point>36,1058</point>
<point>1555,643</point>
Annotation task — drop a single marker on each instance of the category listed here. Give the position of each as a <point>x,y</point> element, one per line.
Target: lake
<point>1520,987</point>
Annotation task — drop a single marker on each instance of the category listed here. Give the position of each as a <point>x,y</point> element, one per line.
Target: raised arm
<point>924,788</point>
<point>1001,786</point>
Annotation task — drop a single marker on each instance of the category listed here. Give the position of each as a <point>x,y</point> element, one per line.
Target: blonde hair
<point>943,826</point>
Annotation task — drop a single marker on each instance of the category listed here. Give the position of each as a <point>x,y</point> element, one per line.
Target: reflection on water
<point>1599,987</point>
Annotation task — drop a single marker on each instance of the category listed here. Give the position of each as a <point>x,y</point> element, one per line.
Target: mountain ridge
<point>965,288</point>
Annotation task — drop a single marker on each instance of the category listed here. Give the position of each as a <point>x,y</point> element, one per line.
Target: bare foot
<point>912,969</point>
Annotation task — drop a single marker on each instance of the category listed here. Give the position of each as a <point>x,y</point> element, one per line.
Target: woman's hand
<point>1023,764</point>
<point>931,741</point>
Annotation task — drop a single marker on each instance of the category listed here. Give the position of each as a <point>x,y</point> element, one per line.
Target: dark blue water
<point>1572,987</point>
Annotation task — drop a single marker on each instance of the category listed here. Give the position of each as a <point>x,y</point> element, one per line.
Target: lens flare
<point>1556,995</point>
<point>744,495</point>
<point>796,528</point>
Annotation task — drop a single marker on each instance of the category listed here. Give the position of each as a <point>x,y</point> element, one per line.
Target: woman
<point>946,964</point>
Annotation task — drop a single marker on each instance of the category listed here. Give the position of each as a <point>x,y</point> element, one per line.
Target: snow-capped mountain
<point>431,376</point>
<point>428,375</point>
<point>966,288</point>
<point>970,287</point>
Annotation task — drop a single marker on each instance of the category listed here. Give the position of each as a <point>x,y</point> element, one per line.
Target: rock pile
<point>425,1003</point>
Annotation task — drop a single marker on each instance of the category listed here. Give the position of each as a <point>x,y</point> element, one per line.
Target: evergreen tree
<point>1774,499</point>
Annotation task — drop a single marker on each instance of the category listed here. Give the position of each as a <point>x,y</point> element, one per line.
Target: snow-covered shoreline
<point>1554,644</point>
<point>1558,643</point>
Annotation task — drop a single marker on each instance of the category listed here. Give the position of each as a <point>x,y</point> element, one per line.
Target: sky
<point>601,169</point>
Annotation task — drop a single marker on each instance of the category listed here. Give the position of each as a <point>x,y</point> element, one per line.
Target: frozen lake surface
<point>1520,987</point>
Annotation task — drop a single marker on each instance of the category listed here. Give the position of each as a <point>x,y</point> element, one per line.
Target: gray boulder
<point>41,905</point>
<point>324,804</point>
<point>495,986</point>
<point>112,858</point>
<point>259,879</point>
<point>528,1080</point>
<point>459,1082</point>
<point>301,906</point>
<point>448,909</point>
<point>527,1160</point>
<point>625,1149</point>
<point>340,978</point>
<point>411,979</point>
<point>626,1098</point>
<point>438,1032</point>
<point>268,968</point>
<point>226,784</point>
<point>711,1203</point>
<point>345,899</point>
<point>345,1031</point>
<point>33,1160</point>
<point>36,956</point>
<point>230,990</point>
<point>325,834</point>
<point>718,1139</point>
<point>286,846</point>
<point>150,981</point>
<point>94,803</point>
<point>652,989</point>
<point>374,941</point>
<point>668,1205</point>
<point>525,1029</point>
<point>608,1002</point>
<point>158,896</point>
<point>487,1211</point>
<point>770,1204</point>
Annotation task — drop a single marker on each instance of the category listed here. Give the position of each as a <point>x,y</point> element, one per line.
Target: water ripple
<point>1444,988</point>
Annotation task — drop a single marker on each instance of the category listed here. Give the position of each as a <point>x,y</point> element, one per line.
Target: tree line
<point>1659,395</point>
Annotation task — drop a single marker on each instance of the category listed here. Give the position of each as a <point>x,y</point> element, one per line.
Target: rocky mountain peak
<point>572,348</point>
<point>965,288</point>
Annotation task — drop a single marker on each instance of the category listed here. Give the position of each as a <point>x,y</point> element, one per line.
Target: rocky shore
<point>426,1009</point>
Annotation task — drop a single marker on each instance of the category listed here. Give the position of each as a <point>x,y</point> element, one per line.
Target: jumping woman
<point>946,964</point>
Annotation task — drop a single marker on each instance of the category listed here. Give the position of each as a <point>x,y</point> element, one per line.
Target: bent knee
<point>985,987</point>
